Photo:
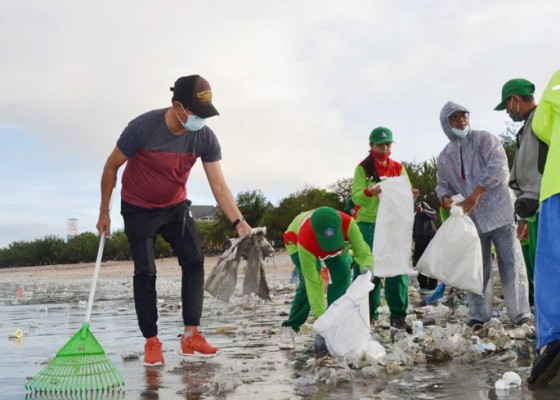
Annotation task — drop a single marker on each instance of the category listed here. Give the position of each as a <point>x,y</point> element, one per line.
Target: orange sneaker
<point>196,346</point>
<point>152,352</point>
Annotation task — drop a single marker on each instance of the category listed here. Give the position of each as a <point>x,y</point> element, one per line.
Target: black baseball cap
<point>194,92</point>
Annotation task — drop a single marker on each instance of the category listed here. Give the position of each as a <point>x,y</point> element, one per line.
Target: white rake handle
<point>95,276</point>
<point>97,267</point>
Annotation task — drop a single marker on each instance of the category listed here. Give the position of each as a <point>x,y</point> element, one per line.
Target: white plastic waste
<point>509,380</point>
<point>345,325</point>
<point>520,332</point>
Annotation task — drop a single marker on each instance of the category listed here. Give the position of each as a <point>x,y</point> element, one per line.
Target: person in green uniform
<point>365,195</point>
<point>326,235</point>
<point>299,310</point>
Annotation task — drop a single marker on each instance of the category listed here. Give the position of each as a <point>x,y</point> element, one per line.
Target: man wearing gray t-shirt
<point>160,148</point>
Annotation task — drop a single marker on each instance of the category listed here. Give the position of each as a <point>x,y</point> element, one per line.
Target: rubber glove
<point>319,345</point>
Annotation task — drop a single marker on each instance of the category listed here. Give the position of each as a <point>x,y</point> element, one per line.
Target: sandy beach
<point>47,303</point>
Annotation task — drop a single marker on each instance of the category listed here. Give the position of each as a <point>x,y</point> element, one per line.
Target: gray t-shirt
<point>159,162</point>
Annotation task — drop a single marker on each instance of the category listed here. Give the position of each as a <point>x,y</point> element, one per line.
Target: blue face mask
<point>193,123</point>
<point>462,133</point>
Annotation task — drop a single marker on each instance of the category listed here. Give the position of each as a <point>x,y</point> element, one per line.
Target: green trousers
<point>529,251</point>
<point>340,272</point>
<point>396,287</point>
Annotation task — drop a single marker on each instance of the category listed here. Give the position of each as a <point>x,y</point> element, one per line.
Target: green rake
<point>81,365</point>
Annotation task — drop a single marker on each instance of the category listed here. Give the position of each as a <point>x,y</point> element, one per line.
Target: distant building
<point>71,228</point>
<point>204,213</point>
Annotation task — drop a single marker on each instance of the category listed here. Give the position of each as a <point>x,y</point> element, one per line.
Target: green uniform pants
<point>340,273</point>
<point>396,287</point>
<point>529,251</point>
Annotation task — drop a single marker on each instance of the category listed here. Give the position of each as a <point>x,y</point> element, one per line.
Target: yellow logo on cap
<point>204,96</point>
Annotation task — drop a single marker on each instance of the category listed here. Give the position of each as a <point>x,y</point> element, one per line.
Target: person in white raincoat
<point>474,164</point>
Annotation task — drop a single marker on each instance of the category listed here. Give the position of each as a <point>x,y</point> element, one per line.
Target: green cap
<point>327,226</point>
<point>515,87</point>
<point>381,135</point>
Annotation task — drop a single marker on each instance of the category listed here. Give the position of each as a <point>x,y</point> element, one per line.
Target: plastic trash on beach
<point>345,325</point>
<point>509,380</point>
<point>521,332</point>
<point>128,355</point>
<point>368,353</point>
<point>440,311</point>
<point>18,334</point>
<point>224,383</point>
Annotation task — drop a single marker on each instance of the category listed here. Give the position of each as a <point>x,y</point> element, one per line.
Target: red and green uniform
<point>300,308</point>
<point>338,262</point>
<point>366,206</point>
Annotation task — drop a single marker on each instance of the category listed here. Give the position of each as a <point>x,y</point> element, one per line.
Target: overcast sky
<point>299,86</point>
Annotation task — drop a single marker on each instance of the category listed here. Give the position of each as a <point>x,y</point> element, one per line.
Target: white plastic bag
<point>345,324</point>
<point>392,242</point>
<point>454,256</point>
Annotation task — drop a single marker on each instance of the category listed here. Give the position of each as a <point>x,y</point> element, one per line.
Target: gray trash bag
<point>255,251</point>
<point>223,278</point>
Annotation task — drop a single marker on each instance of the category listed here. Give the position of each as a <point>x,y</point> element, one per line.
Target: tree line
<point>214,235</point>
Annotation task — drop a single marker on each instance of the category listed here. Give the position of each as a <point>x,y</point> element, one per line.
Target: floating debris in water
<point>128,355</point>
<point>18,334</point>
<point>509,380</point>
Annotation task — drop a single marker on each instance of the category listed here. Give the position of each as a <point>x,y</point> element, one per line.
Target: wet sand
<point>51,308</point>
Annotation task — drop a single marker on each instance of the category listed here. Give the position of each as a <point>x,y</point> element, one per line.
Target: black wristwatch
<point>237,221</point>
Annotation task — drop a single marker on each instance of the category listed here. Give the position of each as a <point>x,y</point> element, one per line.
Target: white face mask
<point>193,123</point>
<point>462,133</point>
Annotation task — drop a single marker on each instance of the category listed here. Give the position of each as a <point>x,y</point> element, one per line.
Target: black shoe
<point>400,324</point>
<point>546,365</point>
<point>527,320</point>
<point>473,322</point>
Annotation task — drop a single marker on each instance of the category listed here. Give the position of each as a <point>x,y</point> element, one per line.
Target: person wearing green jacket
<point>365,194</point>
<point>324,234</point>
<point>546,125</point>
<point>299,310</point>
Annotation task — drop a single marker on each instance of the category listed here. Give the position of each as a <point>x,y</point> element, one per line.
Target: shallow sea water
<point>249,365</point>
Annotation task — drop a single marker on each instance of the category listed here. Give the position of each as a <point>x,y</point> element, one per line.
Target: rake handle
<point>95,276</point>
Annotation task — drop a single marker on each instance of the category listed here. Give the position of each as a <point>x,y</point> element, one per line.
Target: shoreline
<point>166,267</point>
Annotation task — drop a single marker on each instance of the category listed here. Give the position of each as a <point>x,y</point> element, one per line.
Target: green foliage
<point>508,139</point>
<point>277,220</point>
<point>253,205</point>
<point>214,235</point>
<point>423,176</point>
<point>81,249</point>
<point>116,247</point>
<point>342,191</point>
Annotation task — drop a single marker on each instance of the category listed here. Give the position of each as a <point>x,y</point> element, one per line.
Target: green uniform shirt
<point>313,282</point>
<point>546,125</point>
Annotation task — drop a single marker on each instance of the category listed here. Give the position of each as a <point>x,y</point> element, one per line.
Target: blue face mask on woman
<point>462,133</point>
<point>193,123</point>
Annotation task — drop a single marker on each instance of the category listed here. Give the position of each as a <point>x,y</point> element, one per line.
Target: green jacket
<point>546,125</point>
<point>365,205</point>
<point>290,236</point>
<point>308,259</point>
